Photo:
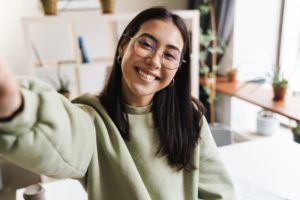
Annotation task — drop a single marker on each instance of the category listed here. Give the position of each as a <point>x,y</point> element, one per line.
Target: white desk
<point>267,169</point>
<point>60,190</point>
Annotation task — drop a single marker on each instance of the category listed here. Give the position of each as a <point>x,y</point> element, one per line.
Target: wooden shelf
<point>256,94</point>
<point>71,25</point>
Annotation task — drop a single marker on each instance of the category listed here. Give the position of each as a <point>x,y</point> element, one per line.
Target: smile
<point>145,76</point>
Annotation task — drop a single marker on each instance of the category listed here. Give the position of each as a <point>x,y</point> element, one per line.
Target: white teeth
<point>146,76</point>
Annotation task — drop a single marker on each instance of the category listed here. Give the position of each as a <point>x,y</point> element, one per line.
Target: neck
<point>135,100</point>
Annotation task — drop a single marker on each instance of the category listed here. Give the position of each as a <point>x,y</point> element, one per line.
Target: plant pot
<point>65,93</point>
<point>203,79</point>
<point>107,6</point>
<point>266,123</point>
<point>49,7</point>
<point>279,92</point>
<point>296,135</point>
<point>221,133</point>
<point>232,75</point>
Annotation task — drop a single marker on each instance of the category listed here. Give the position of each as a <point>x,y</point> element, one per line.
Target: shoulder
<point>87,99</point>
<point>91,101</point>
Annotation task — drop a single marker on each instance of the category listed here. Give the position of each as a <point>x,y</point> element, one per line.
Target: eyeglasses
<point>145,47</point>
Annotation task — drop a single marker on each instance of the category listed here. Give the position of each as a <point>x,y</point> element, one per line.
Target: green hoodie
<point>57,138</point>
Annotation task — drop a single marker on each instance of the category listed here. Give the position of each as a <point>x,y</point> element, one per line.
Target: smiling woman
<point>150,61</point>
<point>144,137</point>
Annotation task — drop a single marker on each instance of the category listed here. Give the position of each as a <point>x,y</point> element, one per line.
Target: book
<point>83,50</point>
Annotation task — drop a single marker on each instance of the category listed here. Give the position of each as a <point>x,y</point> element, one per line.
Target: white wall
<point>11,36</point>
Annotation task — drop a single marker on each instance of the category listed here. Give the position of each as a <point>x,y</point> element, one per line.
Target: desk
<point>262,97</point>
<point>264,169</point>
<point>267,169</point>
<point>60,190</point>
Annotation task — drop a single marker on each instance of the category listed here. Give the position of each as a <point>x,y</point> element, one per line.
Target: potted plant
<point>232,75</point>
<point>266,123</point>
<point>204,70</point>
<point>107,6</point>
<point>279,84</point>
<point>49,7</point>
<point>62,86</point>
<point>210,47</point>
<point>296,132</point>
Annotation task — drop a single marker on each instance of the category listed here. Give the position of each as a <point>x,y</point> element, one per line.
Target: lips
<point>146,75</point>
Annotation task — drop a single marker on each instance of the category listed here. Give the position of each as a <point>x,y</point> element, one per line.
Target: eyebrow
<point>153,38</point>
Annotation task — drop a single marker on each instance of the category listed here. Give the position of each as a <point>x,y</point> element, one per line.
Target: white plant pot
<point>222,134</point>
<point>266,123</point>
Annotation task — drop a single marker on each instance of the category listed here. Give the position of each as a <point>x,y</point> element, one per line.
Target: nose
<point>154,60</point>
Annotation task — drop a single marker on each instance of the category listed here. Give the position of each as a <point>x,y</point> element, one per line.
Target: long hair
<point>176,118</point>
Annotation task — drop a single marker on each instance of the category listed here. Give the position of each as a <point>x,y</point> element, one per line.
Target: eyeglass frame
<point>153,53</point>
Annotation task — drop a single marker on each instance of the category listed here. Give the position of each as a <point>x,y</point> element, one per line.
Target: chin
<point>142,91</point>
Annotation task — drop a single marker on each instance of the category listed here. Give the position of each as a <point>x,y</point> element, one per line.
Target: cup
<point>34,192</point>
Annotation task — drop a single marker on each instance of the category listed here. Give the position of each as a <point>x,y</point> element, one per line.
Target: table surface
<point>60,190</point>
<point>262,169</point>
<point>267,167</point>
<point>260,96</point>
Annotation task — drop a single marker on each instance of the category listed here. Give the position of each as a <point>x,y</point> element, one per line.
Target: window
<point>290,51</point>
<point>256,29</point>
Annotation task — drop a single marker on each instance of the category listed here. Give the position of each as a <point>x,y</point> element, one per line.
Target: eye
<point>146,44</point>
<point>170,55</point>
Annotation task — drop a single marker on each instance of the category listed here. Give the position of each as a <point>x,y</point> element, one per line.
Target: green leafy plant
<point>278,78</point>
<point>296,130</point>
<point>64,83</point>
<point>206,48</point>
<point>210,44</point>
<point>62,86</point>
<point>279,84</point>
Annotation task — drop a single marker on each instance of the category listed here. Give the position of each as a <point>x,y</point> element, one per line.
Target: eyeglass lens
<point>145,47</point>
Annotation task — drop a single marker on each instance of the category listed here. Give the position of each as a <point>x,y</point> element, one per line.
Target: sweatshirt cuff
<point>14,113</point>
<point>23,120</point>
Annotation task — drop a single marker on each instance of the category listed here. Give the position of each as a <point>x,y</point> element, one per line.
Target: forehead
<point>165,32</point>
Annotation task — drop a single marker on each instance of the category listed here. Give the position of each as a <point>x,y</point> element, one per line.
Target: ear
<point>122,47</point>
<point>121,50</point>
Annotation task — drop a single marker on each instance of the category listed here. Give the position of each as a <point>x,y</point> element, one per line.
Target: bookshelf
<point>50,40</point>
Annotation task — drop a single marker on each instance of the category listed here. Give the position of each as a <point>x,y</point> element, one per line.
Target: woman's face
<point>148,61</point>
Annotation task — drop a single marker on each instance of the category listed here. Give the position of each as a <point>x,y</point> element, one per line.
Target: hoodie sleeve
<point>50,135</point>
<point>214,181</point>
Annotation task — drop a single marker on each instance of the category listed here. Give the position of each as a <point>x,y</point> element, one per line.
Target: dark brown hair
<point>176,118</point>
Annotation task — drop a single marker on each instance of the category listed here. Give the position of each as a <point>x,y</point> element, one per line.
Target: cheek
<point>168,75</point>
<point>127,61</point>
<point>167,78</point>
<point>129,54</point>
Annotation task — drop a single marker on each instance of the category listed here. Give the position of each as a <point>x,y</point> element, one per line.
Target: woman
<point>142,138</point>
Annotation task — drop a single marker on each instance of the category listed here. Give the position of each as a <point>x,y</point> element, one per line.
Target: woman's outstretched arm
<point>10,94</point>
<point>43,131</point>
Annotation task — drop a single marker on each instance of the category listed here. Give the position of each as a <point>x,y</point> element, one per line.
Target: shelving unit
<point>101,33</point>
